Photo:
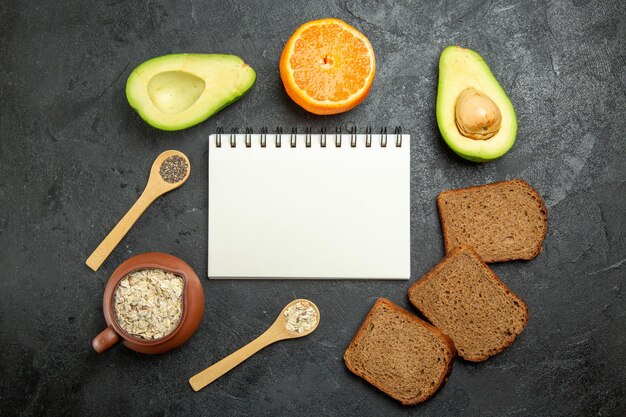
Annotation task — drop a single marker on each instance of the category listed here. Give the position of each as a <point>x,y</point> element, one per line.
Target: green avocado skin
<point>139,104</point>
<point>472,158</point>
<point>449,131</point>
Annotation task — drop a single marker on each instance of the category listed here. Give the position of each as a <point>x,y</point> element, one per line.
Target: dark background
<point>75,157</point>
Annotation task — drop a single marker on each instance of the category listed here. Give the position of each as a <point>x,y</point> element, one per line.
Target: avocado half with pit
<point>475,116</point>
<point>173,92</point>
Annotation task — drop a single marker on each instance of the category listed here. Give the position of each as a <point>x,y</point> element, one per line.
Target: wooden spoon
<point>155,188</point>
<point>277,331</point>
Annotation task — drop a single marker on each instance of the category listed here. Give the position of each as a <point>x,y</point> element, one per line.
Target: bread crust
<point>433,272</point>
<point>449,245</point>
<point>451,352</point>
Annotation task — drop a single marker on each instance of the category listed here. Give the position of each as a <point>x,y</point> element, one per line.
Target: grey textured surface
<point>75,157</point>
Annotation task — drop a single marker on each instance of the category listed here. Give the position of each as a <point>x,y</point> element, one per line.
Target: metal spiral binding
<point>248,137</point>
<point>353,136</point>
<point>279,134</point>
<point>218,137</point>
<point>294,132</point>
<point>353,131</point>
<point>233,137</point>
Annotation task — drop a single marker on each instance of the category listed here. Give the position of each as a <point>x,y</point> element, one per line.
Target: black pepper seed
<point>173,169</point>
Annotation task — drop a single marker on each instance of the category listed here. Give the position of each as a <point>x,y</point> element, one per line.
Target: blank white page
<point>309,212</point>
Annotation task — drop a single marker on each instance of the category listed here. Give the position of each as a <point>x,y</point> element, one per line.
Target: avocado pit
<point>175,91</point>
<point>476,115</point>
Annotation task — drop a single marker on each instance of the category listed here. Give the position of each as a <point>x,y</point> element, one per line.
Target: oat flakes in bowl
<point>148,303</point>
<point>152,303</point>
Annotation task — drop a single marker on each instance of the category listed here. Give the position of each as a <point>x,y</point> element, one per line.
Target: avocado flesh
<point>459,69</point>
<point>173,92</point>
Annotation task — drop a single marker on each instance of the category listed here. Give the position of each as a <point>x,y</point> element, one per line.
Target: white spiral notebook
<point>302,205</point>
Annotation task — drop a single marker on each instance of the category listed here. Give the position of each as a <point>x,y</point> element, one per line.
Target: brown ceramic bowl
<point>193,306</point>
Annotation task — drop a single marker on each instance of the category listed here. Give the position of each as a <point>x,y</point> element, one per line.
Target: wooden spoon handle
<point>119,231</point>
<point>210,374</point>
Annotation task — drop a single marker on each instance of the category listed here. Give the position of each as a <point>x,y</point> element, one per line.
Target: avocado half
<point>173,92</point>
<point>460,69</point>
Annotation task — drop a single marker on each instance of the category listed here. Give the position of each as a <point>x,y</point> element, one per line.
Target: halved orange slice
<point>327,66</point>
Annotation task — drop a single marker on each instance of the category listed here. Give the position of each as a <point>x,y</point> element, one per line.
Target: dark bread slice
<point>464,298</point>
<point>502,221</point>
<point>399,354</point>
